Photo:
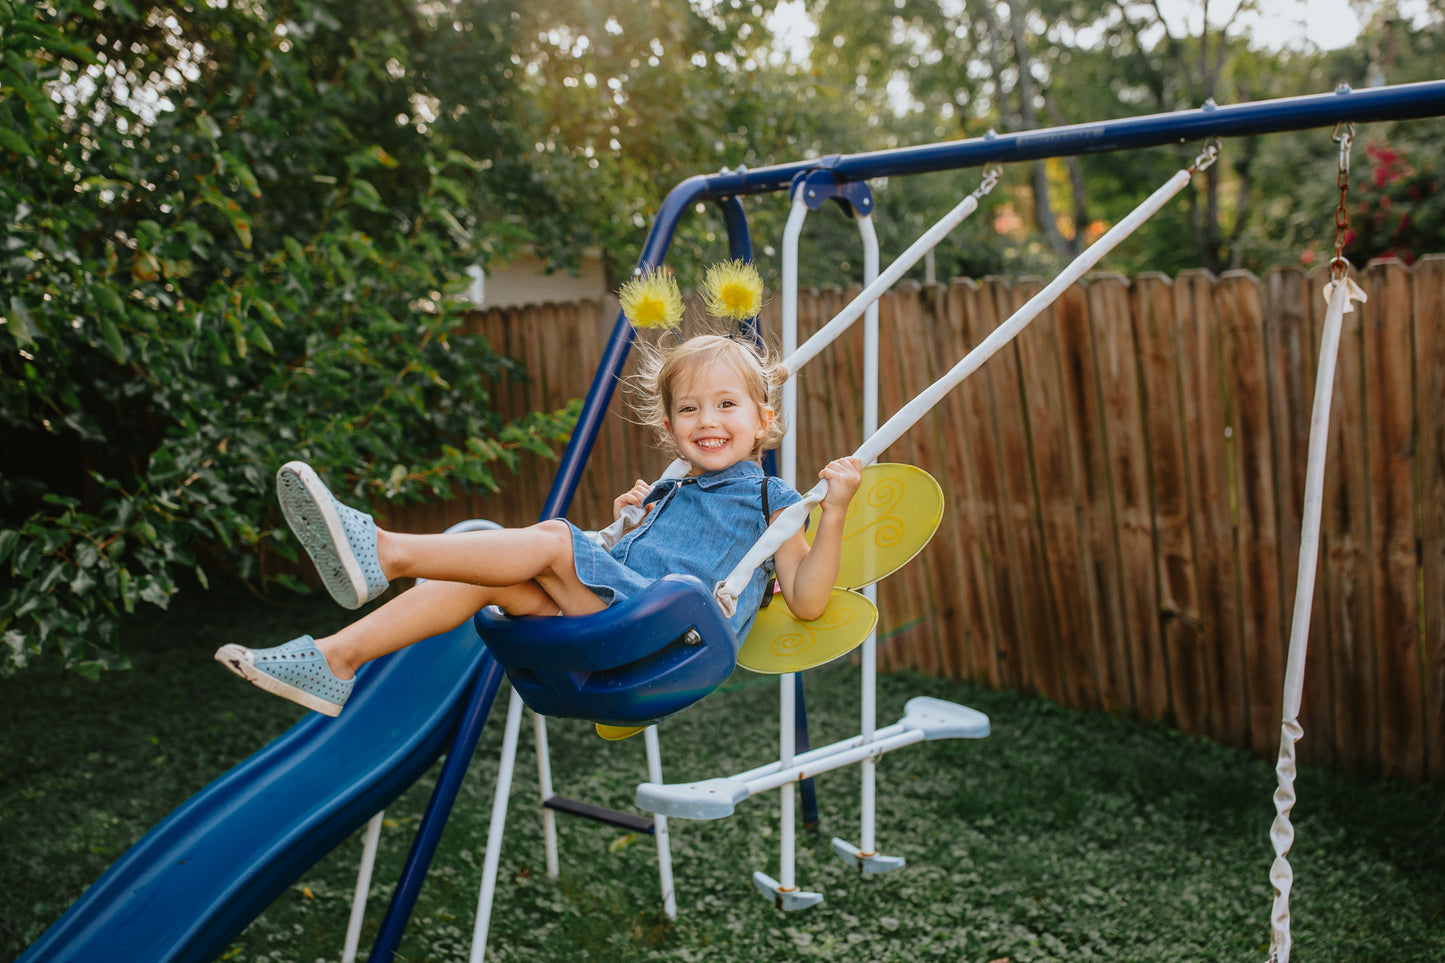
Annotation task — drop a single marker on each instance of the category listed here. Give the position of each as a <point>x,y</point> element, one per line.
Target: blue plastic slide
<point>191,884</point>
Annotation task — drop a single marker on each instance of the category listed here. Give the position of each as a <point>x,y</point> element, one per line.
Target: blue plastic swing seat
<point>631,664</point>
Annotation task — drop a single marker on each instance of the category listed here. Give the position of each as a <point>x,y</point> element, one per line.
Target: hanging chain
<point>1206,157</point>
<point>1344,136</point>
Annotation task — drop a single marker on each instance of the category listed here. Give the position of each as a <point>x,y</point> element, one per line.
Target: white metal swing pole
<point>659,826</point>
<point>788,467</point>
<point>787,694</point>
<point>370,843</point>
<point>868,700</point>
<point>544,788</point>
<point>791,519</point>
<point>497,826</point>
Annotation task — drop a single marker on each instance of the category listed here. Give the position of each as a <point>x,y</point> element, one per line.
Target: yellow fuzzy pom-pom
<point>733,290</point>
<point>651,300</point>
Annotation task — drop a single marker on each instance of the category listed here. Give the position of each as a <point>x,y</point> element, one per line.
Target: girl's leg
<point>428,609</point>
<point>356,560</point>
<point>540,554</point>
<point>318,673</point>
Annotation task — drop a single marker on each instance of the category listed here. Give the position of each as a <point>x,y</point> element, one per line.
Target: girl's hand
<point>843,475</point>
<point>632,497</point>
<point>807,573</point>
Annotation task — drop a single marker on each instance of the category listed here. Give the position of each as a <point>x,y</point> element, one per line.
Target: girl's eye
<point>728,404</point>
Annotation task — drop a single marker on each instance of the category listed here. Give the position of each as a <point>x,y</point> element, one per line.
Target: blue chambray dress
<point>701,525</point>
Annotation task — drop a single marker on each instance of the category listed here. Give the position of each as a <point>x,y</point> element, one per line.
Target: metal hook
<point>1206,157</point>
<point>991,174</point>
<point>1344,137</point>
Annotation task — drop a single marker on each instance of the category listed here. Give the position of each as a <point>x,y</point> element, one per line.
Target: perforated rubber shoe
<point>340,540</point>
<point>296,671</point>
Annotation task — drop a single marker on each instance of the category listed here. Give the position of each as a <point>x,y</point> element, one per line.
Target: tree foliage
<point>943,69</point>
<point>229,234</point>
<point>231,229</point>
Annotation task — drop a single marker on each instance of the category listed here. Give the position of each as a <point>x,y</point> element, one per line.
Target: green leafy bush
<point>228,241</point>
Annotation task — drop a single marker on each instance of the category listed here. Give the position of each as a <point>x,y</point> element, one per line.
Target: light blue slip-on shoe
<point>340,540</point>
<point>296,671</point>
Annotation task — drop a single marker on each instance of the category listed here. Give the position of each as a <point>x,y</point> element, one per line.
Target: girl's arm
<point>806,575</point>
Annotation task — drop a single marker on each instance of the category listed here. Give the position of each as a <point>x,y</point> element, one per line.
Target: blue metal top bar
<point>1399,102</point>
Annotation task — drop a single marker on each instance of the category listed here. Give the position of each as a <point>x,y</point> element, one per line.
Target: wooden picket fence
<point>1123,488</point>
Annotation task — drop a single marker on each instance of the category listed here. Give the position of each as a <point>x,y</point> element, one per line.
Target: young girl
<point>712,400</point>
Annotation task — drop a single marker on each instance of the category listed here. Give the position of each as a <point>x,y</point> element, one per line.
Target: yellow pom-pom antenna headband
<point>651,300</point>
<point>733,290</point>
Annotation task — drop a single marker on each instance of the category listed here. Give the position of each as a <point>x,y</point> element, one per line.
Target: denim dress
<point>701,525</point>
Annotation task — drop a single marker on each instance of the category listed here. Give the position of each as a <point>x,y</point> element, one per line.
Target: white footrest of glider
<point>709,799</point>
<point>937,719</point>
<point>785,899</point>
<point>868,864</point>
<point>924,720</point>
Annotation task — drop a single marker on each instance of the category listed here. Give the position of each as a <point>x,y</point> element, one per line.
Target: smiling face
<point>715,420</point>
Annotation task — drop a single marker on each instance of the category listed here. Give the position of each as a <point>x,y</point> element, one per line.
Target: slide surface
<point>203,873</point>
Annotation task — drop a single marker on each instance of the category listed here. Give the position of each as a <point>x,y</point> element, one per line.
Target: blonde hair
<point>664,366</point>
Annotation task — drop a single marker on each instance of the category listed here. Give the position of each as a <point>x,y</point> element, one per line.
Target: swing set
<point>659,643</point>
<point>651,656</point>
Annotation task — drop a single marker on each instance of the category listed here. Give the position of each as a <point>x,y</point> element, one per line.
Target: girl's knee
<point>556,535</point>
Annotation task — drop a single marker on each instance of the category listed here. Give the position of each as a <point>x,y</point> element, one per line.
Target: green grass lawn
<point>1063,836</point>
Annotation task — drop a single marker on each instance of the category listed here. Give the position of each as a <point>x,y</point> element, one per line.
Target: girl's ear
<point>768,416</point>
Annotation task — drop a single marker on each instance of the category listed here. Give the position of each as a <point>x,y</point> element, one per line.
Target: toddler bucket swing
<point>669,646</point>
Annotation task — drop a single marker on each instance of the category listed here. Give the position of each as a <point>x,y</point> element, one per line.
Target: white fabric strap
<point>633,514</point>
<point>1281,833</point>
<point>790,521</point>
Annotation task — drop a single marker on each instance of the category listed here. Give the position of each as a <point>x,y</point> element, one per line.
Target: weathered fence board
<point>1345,547</point>
<point>1429,372</point>
<point>1057,470</point>
<point>1123,414</point>
<point>1388,411</point>
<point>1210,502</point>
<point>1256,557</point>
<point>962,423</point>
<point>1180,621</point>
<point>1123,490</point>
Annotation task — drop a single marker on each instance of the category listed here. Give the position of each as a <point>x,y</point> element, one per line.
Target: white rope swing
<point>1340,292</point>
<point>791,519</point>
